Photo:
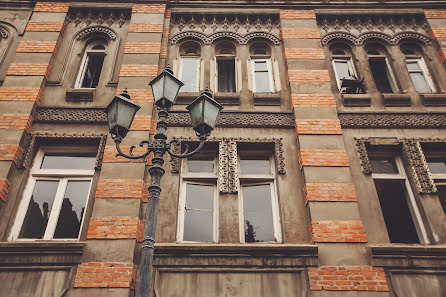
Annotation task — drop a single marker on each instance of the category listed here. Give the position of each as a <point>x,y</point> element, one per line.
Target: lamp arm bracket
<point>186,153</point>
<point>131,155</point>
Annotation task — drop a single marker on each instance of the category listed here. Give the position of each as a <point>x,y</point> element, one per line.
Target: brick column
<point>121,193</point>
<point>335,222</point>
<point>22,88</point>
<point>435,18</point>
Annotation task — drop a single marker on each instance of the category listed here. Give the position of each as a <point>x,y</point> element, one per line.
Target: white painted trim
<point>423,70</point>
<point>84,64</point>
<point>349,65</point>
<point>268,70</point>
<point>197,81</point>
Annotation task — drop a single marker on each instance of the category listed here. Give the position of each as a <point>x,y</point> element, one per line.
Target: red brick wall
<point>21,94</point>
<point>318,127</point>
<point>103,275</point>
<point>313,100</point>
<point>146,27</point>
<point>309,33</point>
<point>297,14</point>
<point>51,7</point>
<point>336,192</point>
<point>37,47</point>
<point>15,121</point>
<point>442,54</point>
<point>45,26</point>
<point>338,231</point>
<point>139,95</point>
<point>4,188</point>
<point>321,157</point>
<point>308,76</point>
<point>304,53</point>
<point>142,48</point>
<point>141,123</point>
<point>110,154</point>
<point>347,278</point>
<point>112,227</point>
<point>28,69</point>
<point>149,8</point>
<point>119,188</point>
<point>435,13</point>
<point>138,70</point>
<point>10,152</point>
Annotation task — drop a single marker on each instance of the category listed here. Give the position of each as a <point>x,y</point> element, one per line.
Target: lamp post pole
<point>121,111</point>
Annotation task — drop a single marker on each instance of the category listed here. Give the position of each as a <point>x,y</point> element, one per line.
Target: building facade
<point>325,175</point>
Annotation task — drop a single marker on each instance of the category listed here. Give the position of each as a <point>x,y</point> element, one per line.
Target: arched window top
<point>340,49</point>
<point>190,48</point>
<point>375,49</point>
<point>96,44</point>
<point>410,49</point>
<point>225,48</point>
<point>260,49</point>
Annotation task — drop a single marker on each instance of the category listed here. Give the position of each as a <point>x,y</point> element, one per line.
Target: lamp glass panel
<point>196,113</point>
<point>112,115</point>
<point>171,89</point>
<point>157,89</point>
<point>126,112</point>
<point>210,113</point>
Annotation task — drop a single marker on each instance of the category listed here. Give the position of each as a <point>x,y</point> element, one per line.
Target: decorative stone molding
<point>96,30</point>
<point>227,159</point>
<point>388,28</point>
<point>393,120</point>
<point>70,115</point>
<point>52,138</point>
<point>4,34</point>
<point>363,155</point>
<point>102,15</point>
<point>210,27</point>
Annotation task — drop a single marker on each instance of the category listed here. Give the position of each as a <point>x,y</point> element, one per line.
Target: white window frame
<point>197,85</point>
<point>423,70</point>
<point>412,204</point>
<point>228,57</point>
<point>197,178</point>
<point>61,175</point>
<point>84,64</point>
<point>350,68</point>
<point>268,69</point>
<point>260,179</point>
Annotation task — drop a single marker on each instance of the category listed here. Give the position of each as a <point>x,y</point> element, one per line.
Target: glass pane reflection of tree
<point>258,213</point>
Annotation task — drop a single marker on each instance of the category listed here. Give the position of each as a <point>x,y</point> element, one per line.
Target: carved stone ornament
<point>413,154</point>
<point>357,28</point>
<point>96,30</point>
<point>227,159</point>
<point>210,27</point>
<point>99,16</point>
<point>35,140</point>
<point>70,115</point>
<point>4,34</point>
<point>393,120</point>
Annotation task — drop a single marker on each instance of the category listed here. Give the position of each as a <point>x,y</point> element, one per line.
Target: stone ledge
<point>434,99</point>
<point>408,256</point>
<point>267,99</point>
<point>396,99</point>
<point>354,100</point>
<point>80,94</point>
<point>34,254</point>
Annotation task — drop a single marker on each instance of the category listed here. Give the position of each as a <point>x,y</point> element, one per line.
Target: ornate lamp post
<point>121,111</point>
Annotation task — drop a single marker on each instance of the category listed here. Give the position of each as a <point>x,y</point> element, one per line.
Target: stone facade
<point>331,228</point>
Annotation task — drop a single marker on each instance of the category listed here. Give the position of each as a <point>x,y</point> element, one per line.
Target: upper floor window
<point>380,68</point>
<point>226,79</point>
<point>55,197</point>
<point>261,69</point>
<point>436,160</point>
<point>91,65</point>
<point>342,65</point>
<point>189,71</point>
<point>417,69</point>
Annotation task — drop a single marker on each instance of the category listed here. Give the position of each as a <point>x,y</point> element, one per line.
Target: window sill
<point>356,100</point>
<point>432,99</point>
<point>41,253</point>
<point>187,98</point>
<point>396,99</point>
<point>227,98</point>
<point>80,94</point>
<point>269,99</point>
<point>408,255</point>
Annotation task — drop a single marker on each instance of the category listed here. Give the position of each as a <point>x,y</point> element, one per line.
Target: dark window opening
<point>399,223</point>
<point>442,197</point>
<point>381,75</point>
<point>383,165</point>
<point>226,75</point>
<point>93,71</point>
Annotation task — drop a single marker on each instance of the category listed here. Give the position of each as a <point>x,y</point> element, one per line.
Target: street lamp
<point>121,112</point>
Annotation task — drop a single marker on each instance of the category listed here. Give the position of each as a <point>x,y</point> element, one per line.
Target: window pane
<point>436,166</point>
<point>420,82</point>
<point>226,75</point>
<point>39,209</point>
<point>72,211</point>
<point>399,223</point>
<point>342,69</point>
<point>262,82</point>
<point>381,75</point>
<point>189,74</point>
<point>206,166</point>
<point>54,161</point>
<point>412,66</point>
<point>383,165</point>
<point>93,71</point>
<point>198,225</point>
<point>260,65</point>
<point>255,166</point>
<point>199,197</point>
<point>258,222</point>
<point>442,197</point>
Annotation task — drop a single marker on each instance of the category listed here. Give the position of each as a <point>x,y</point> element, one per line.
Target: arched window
<point>261,70</point>
<point>380,68</point>
<point>417,69</point>
<point>190,66</point>
<point>226,69</point>
<point>342,64</point>
<point>91,65</point>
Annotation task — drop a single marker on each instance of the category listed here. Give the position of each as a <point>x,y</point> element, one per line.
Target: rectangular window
<point>262,75</point>
<point>436,160</point>
<point>190,74</point>
<point>198,209</point>
<point>343,70</point>
<point>420,76</point>
<point>382,76</point>
<point>226,78</point>
<point>55,197</point>
<point>398,206</point>
<point>259,213</point>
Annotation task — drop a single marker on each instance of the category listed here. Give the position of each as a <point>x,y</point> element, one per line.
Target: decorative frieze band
<point>392,120</point>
